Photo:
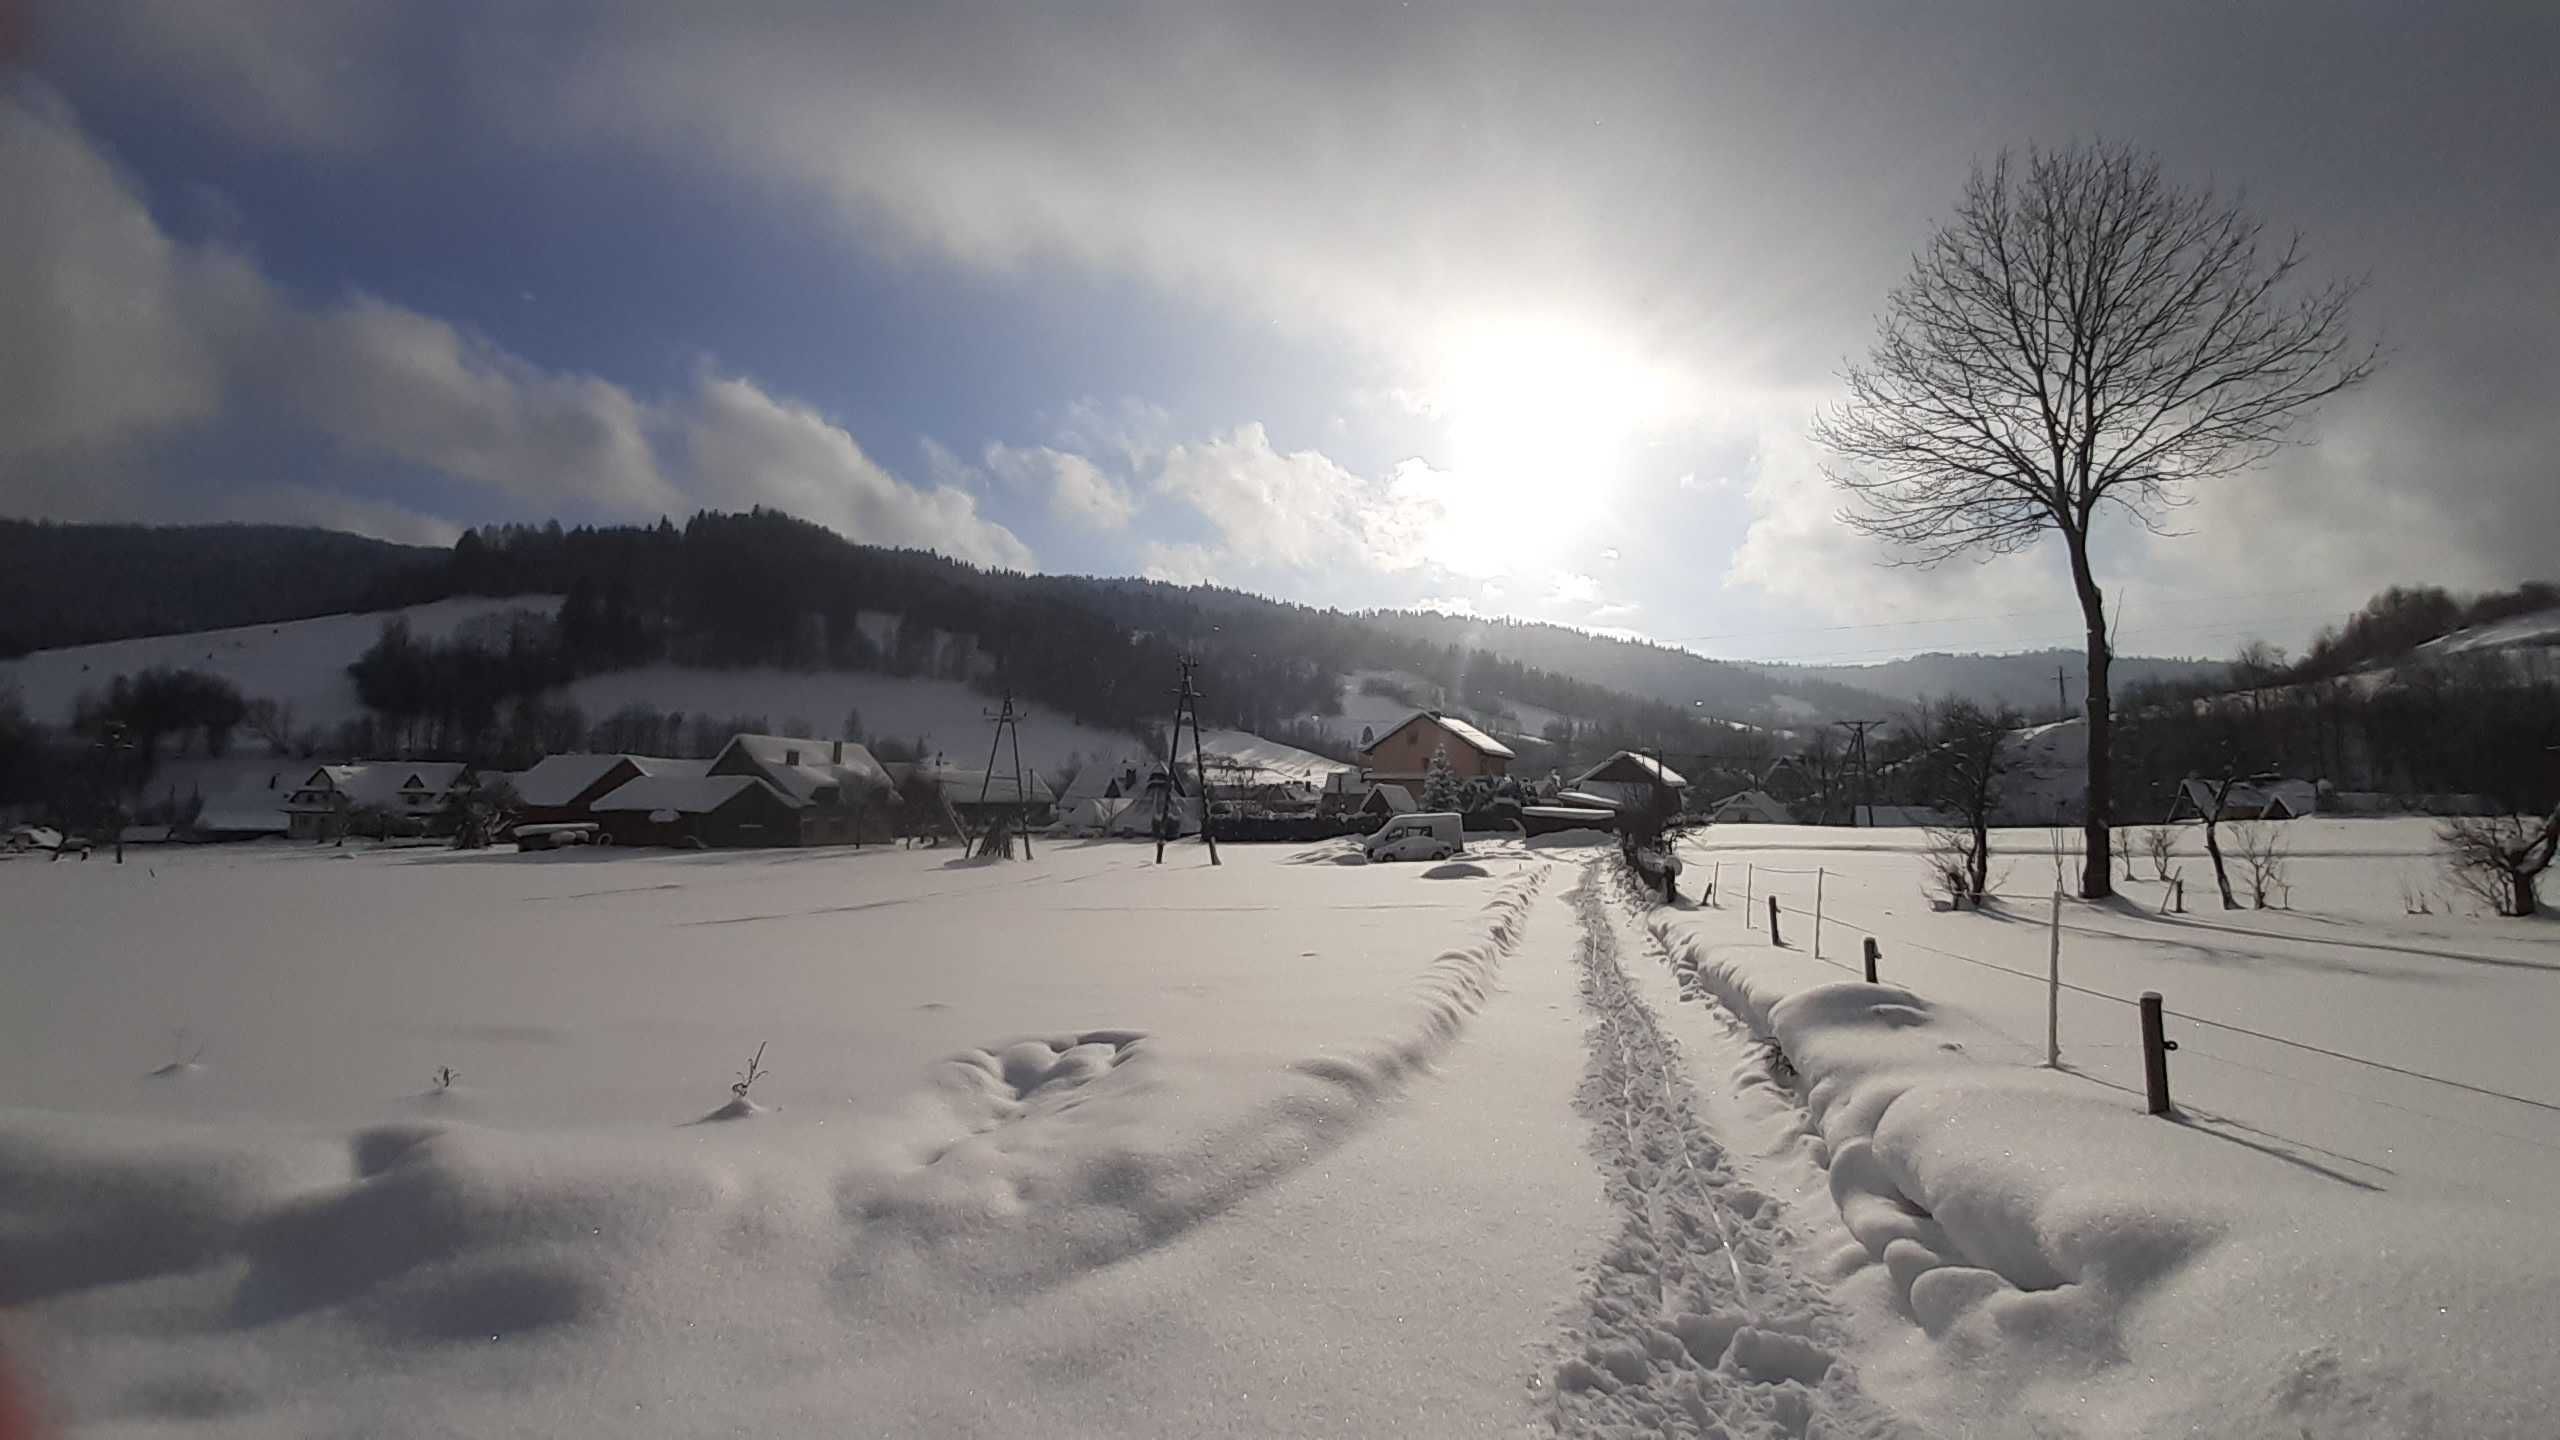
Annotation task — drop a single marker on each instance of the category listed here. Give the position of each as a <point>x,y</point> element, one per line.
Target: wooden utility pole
<point>1186,706</point>
<point>2062,692</point>
<point>1009,726</point>
<point>1858,747</point>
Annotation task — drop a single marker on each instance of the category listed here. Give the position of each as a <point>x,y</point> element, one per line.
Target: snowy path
<point>1703,1316</point>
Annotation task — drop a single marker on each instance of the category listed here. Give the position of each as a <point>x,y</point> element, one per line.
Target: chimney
<point>839,754</point>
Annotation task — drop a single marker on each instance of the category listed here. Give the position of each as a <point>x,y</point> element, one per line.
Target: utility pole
<point>1858,748</point>
<point>1009,724</point>
<point>2061,692</point>
<point>1186,705</point>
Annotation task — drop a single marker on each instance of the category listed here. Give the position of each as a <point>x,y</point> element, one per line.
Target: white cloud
<point>747,447</point>
<point>1076,488</point>
<point>119,337</point>
<point>94,299</point>
<point>1571,589</point>
<point>1301,510</point>
<point>1178,564</point>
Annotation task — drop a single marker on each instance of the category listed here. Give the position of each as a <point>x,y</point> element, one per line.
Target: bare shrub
<point>1954,865</point>
<point>2262,855</point>
<point>2160,843</point>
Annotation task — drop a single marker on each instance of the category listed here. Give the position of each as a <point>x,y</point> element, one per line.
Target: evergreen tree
<point>1440,788</point>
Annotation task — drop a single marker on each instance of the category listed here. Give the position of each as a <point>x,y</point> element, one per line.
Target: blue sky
<point>1517,311</point>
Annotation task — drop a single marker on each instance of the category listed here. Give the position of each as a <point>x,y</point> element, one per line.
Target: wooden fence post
<point>1817,912</point>
<point>1871,959</point>
<point>1773,922</point>
<point>2155,1055</point>
<point>2053,987</point>
<point>1750,873</point>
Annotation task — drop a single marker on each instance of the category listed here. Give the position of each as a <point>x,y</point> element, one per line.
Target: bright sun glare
<point>1540,419</point>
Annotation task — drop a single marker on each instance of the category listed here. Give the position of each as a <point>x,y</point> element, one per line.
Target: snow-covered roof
<point>1096,779</point>
<point>685,794</point>
<point>802,767</point>
<point>2253,798</point>
<point>666,765</point>
<point>1628,765</point>
<point>1757,801</point>
<point>1265,760</point>
<point>1457,729</point>
<point>383,782</point>
<point>967,784</point>
<point>1396,798</point>
<point>560,779</point>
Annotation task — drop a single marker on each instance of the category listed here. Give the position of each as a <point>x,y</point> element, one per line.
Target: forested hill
<point>727,590</point>
<point>81,584</point>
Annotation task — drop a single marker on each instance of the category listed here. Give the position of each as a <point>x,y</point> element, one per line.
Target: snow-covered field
<point>2340,1234</point>
<point>1085,1145</point>
<point>1007,1104</point>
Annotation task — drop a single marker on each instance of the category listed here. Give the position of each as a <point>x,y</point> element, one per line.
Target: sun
<point>1540,420</point>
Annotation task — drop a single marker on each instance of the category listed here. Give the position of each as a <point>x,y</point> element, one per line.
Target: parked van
<point>1422,835</point>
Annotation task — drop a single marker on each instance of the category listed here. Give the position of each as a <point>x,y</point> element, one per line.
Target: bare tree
<point>2160,842</point>
<point>2500,858</point>
<point>271,721</point>
<point>2262,855</point>
<point>1959,768</point>
<point>2080,334</point>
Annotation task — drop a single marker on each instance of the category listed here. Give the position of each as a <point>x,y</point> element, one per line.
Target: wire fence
<point>1823,913</point>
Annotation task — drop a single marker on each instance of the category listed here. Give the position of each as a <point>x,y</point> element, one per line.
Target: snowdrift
<point>2079,1267</point>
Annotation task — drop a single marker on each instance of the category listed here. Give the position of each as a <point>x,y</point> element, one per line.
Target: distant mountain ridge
<point>749,583</point>
<point>2024,679</point>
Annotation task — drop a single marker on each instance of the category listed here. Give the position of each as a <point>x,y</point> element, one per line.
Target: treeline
<point>2481,723</point>
<point>763,588</point>
<point>82,584</point>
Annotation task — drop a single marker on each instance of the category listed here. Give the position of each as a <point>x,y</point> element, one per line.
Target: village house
<point>1404,753</point>
<point>1627,782</point>
<point>700,812</point>
<point>1750,807</point>
<point>2263,797</point>
<point>843,794</point>
<point>977,795</point>
<point>399,795</point>
<point>563,789</point>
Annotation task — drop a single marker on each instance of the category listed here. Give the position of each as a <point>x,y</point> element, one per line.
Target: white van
<point>1422,835</point>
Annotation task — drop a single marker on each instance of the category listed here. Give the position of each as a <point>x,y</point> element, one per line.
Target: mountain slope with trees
<point>82,584</point>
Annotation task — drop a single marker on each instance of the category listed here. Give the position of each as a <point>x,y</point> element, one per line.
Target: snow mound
<point>2080,1267</point>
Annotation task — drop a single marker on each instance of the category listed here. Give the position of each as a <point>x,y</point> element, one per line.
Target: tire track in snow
<point>1698,1319</point>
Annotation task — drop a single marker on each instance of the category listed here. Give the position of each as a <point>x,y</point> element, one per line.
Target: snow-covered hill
<point>947,715</point>
<point>301,663</point>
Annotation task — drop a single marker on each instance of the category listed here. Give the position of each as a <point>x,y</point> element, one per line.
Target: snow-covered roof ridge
<point>1457,729</point>
<point>686,794</point>
<point>1632,766</point>
<point>560,779</point>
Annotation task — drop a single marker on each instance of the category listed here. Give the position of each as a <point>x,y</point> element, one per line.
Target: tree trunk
<point>1981,861</point>
<point>2521,882</point>
<point>2213,847</point>
<point>2097,879</point>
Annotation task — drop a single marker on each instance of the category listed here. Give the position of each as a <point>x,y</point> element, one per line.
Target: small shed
<point>1385,800</point>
